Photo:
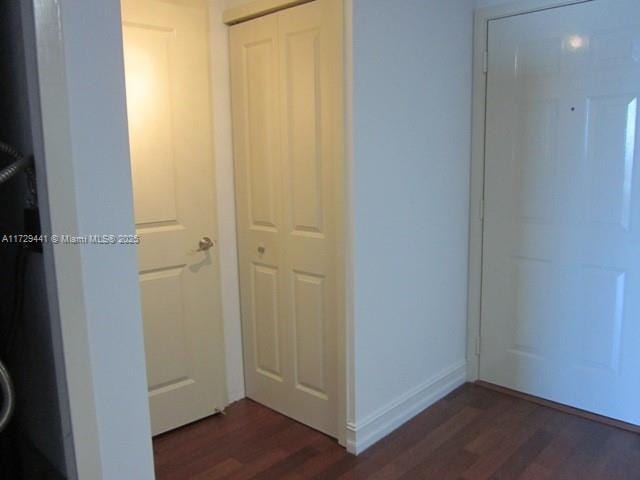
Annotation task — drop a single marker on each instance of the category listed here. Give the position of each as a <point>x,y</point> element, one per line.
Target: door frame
<point>343,173</point>
<point>110,434</point>
<point>476,224</point>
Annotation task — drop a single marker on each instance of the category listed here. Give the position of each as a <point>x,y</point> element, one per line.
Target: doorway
<point>291,300</point>
<point>561,219</point>
<point>166,52</point>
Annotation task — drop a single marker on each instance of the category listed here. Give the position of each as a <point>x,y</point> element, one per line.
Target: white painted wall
<point>492,3</point>
<point>411,156</point>
<point>518,5</point>
<point>230,294</point>
<point>88,177</point>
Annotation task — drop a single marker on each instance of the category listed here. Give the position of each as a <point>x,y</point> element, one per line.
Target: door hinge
<point>478,345</point>
<point>481,210</point>
<point>485,61</point>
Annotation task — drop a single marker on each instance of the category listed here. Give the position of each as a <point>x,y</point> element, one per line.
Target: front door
<point>168,102</point>
<point>561,260</point>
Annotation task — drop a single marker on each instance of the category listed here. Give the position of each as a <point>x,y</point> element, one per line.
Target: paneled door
<point>168,102</point>
<point>561,262</point>
<point>285,76</point>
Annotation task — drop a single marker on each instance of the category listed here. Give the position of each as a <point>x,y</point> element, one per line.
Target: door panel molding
<point>166,53</point>
<point>287,104</point>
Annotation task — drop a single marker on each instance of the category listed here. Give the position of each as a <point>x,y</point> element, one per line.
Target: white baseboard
<point>368,431</point>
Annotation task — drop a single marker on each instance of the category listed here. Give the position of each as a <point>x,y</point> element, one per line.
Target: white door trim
<point>67,302</point>
<point>257,8</point>
<point>346,285</point>
<point>223,160</point>
<point>72,168</point>
<point>482,18</point>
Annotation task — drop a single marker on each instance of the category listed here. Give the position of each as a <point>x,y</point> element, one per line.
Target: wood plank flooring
<point>474,433</point>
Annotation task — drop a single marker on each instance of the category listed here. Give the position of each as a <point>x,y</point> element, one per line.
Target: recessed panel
<point>535,157</point>
<point>147,56</point>
<point>611,156</point>
<point>603,295</point>
<point>304,153</point>
<point>161,294</point>
<point>266,320</point>
<point>534,329</point>
<point>309,324</point>
<point>260,112</point>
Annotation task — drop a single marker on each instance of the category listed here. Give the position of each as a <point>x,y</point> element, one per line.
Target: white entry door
<point>561,261</point>
<point>285,72</point>
<point>168,100</point>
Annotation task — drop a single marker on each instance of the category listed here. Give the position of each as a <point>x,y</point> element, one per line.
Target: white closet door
<point>283,68</point>
<point>166,53</point>
<point>256,132</point>
<point>561,262</point>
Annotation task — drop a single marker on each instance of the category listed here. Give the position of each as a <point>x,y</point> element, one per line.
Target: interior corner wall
<point>225,188</point>
<point>411,105</point>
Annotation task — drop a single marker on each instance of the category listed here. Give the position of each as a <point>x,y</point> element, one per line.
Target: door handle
<point>205,244</point>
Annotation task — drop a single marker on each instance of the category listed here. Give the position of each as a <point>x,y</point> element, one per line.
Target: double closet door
<point>285,77</point>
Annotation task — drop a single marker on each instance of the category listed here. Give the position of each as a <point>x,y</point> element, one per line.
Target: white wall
<point>491,3</point>
<point>223,155</point>
<point>411,157</point>
<point>89,192</point>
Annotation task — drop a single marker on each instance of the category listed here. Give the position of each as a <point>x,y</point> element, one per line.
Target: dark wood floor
<point>473,433</point>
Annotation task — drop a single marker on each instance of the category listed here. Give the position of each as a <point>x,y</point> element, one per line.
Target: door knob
<point>205,244</point>
<point>261,249</point>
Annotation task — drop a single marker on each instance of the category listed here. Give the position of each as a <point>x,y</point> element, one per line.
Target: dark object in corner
<point>32,228</point>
